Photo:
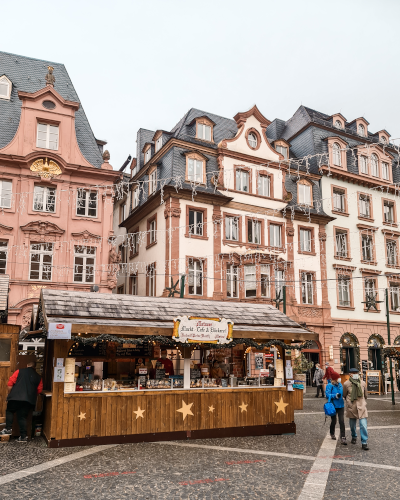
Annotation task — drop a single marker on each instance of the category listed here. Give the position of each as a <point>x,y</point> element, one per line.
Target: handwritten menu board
<point>364,367</point>
<point>133,350</point>
<point>89,351</point>
<point>160,374</point>
<point>194,373</point>
<point>374,381</point>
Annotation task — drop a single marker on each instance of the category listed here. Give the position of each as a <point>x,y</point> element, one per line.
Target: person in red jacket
<point>167,363</point>
<point>23,387</point>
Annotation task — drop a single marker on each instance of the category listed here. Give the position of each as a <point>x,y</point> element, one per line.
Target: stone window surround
<point>346,207</point>
<point>149,221</point>
<point>390,224</point>
<point>203,260</point>
<point>314,288</point>
<point>343,230</point>
<point>371,207</point>
<point>196,209</point>
<point>344,271</point>
<point>366,273</point>
<point>307,228</point>
<point>343,145</point>
<point>368,231</point>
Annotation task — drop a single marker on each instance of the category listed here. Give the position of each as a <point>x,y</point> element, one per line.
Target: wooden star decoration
<point>371,302</point>
<point>186,409</point>
<point>243,407</point>
<point>281,406</point>
<point>172,289</point>
<point>82,416</point>
<point>211,409</point>
<point>139,413</point>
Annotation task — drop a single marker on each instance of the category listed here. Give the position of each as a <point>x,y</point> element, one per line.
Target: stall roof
<point>90,312</point>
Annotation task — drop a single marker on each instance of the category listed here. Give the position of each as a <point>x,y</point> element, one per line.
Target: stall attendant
<point>216,371</point>
<point>167,363</point>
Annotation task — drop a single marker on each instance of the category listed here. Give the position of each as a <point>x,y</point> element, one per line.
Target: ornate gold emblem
<point>45,169</point>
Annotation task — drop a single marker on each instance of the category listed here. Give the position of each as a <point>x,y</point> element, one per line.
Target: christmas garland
<point>391,352</point>
<point>170,343</point>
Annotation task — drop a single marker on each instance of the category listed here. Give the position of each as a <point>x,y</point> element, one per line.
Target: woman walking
<point>334,394</point>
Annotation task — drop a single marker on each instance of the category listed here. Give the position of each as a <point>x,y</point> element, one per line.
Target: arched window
<point>349,352</point>
<point>337,160</point>
<point>397,340</point>
<point>252,140</point>
<point>383,139</point>
<point>375,352</point>
<point>374,165</point>
<point>361,130</point>
<point>338,124</point>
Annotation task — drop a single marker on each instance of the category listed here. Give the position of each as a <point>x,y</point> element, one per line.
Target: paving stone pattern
<point>150,471</point>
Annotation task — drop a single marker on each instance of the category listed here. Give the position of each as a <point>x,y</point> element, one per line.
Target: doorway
<point>311,355</point>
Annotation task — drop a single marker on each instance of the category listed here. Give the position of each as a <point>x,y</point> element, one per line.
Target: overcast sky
<point>145,63</point>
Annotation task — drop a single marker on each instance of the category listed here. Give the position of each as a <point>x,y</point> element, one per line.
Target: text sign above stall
<point>59,331</point>
<point>202,330</point>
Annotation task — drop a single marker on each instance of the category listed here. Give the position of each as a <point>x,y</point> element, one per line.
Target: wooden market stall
<point>131,373</point>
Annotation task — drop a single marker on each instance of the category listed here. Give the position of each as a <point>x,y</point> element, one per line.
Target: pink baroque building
<point>56,196</point>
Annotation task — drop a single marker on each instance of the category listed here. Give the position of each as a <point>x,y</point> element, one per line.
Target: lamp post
<point>388,334</point>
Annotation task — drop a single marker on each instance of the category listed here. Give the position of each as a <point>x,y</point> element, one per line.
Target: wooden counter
<point>84,418</point>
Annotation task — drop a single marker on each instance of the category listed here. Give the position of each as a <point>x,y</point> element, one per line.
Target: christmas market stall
<point>121,368</point>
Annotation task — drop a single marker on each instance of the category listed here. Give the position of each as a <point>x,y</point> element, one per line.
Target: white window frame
<point>369,285</point>
<point>252,140</point>
<point>344,291</point>
<point>388,211</point>
<point>195,280</point>
<point>338,124</point>
<point>242,180</point>
<point>152,232</point>
<point>44,192</point>
<point>195,170</point>
<point>364,164</point>
<point>51,139</point>
<point>367,243</point>
<point>147,155</point>
<point>361,130</point>
<point>254,231</point>
<point>5,81</point>
<point>204,132</point>
<point>394,297</point>
<point>264,185</point>
<point>3,256</point>
<point>341,244</point>
<point>136,197</point>
<point>232,282</point>
<point>42,251</point>
<point>134,284</point>
<point>275,235</point>
<point>5,193</point>
<point>231,224</point>
<point>265,278</point>
<point>87,276</point>
<point>304,191</point>
<point>135,243</point>
<point>151,274</point>
<point>152,182</point>
<point>337,154</point>
<point>196,227</point>
<point>365,205</point>
<point>159,143</point>
<point>307,288</point>
<point>250,281</point>
<point>283,150</point>
<point>87,201</point>
<point>374,165</point>
<point>391,252</point>
<point>385,171</point>
<point>305,240</point>
<point>279,280</point>
<point>339,200</point>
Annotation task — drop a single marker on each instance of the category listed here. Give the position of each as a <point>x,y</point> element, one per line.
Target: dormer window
<point>147,155</point>
<point>383,139</point>
<point>204,132</point>
<point>283,150</point>
<point>159,143</point>
<point>361,130</point>
<point>47,136</point>
<point>5,87</point>
<point>337,160</point>
<point>304,193</point>
<point>195,168</point>
<point>338,124</point>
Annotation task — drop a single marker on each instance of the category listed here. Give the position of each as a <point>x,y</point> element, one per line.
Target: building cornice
<point>340,174</point>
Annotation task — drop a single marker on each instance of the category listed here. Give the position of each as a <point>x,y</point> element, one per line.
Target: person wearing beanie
<point>328,373</point>
<point>355,395</point>
<point>334,394</point>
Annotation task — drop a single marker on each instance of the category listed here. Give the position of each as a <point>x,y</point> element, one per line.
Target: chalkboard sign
<point>132,350</point>
<point>364,367</point>
<point>88,351</point>
<point>160,374</point>
<point>110,350</point>
<point>374,382</point>
<point>194,373</point>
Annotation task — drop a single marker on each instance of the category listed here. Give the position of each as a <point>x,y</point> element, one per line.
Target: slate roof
<point>28,75</point>
<point>88,308</point>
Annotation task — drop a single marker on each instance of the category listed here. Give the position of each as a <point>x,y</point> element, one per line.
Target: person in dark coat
<point>23,387</point>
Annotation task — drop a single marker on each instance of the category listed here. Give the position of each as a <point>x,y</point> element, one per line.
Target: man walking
<point>355,395</point>
<point>23,386</point>
<point>318,379</point>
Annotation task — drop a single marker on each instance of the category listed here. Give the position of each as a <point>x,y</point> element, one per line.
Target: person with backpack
<point>355,396</point>
<point>334,394</point>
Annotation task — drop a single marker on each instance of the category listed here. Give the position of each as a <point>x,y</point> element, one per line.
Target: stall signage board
<point>59,331</point>
<point>373,381</point>
<point>202,330</point>
<point>364,366</point>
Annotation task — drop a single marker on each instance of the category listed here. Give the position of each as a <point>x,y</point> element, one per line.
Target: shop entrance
<point>375,346</point>
<point>313,354</point>
<point>349,352</point>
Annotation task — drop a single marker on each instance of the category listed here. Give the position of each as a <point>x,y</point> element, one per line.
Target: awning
<point>99,313</point>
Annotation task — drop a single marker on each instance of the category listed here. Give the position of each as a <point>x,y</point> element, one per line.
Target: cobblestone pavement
<point>229,468</point>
